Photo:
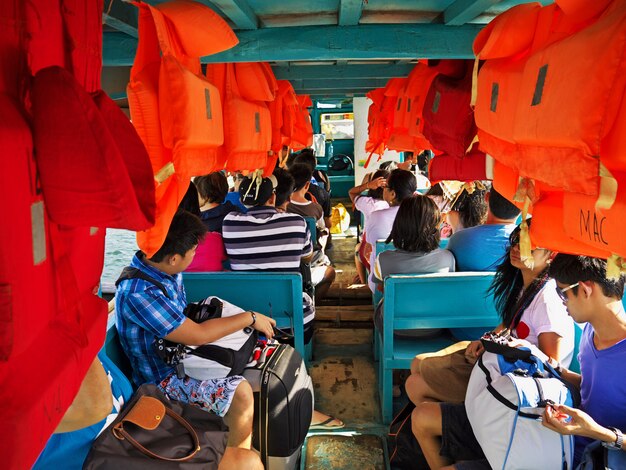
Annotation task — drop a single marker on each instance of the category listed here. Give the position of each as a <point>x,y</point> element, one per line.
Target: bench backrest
<point>382,246</point>
<point>277,295</point>
<point>439,301</point>
<point>311,223</point>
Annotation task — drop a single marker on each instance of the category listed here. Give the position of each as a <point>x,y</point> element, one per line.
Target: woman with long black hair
<point>530,309</point>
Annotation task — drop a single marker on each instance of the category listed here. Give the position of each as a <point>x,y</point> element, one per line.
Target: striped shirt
<point>266,240</point>
<point>142,311</point>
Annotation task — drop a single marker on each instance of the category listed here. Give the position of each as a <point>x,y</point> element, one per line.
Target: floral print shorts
<point>214,395</point>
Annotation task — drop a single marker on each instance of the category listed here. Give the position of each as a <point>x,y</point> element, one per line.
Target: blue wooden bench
<point>340,185</point>
<point>422,302</point>
<point>277,295</point>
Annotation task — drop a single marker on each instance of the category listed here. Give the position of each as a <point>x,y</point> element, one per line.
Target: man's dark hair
<point>403,182</point>
<point>284,189</point>
<point>213,187</point>
<point>472,208</point>
<point>501,207</point>
<point>291,159</point>
<point>570,269</point>
<point>190,201</point>
<point>307,157</point>
<point>185,232</point>
<point>416,226</point>
<point>302,174</point>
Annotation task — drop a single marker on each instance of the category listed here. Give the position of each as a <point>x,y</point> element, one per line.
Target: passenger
<point>388,165</point>
<point>480,248</point>
<point>400,185</point>
<point>144,311</point>
<point>317,190</point>
<point>443,429</point>
<point>322,273</point>
<point>299,204</point>
<point>366,204</point>
<point>319,176</point>
<point>468,209</point>
<point>284,188</point>
<point>436,193</point>
<point>593,299</point>
<point>265,239</point>
<point>415,236</point>
<point>102,394</point>
<point>190,201</point>
<point>530,309</point>
<point>233,193</point>
<point>212,191</point>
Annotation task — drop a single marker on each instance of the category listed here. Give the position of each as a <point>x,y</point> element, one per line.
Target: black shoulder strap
<point>133,273</point>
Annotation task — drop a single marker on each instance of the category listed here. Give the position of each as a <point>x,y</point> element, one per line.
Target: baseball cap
<point>256,191</point>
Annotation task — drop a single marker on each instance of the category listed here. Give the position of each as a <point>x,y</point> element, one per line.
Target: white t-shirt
<point>378,227</point>
<point>366,205</point>
<point>547,314</point>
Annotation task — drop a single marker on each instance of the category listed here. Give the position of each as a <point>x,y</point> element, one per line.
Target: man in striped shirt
<point>264,239</point>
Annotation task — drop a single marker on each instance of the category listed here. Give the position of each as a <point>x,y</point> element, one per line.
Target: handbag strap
<point>120,433</point>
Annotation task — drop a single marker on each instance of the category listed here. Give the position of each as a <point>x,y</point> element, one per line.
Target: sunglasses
<point>561,292</point>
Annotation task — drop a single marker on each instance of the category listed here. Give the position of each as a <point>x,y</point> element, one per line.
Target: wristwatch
<point>619,440</point>
<point>253,317</point>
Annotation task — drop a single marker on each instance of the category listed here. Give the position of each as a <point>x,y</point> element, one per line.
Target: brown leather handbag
<point>153,431</point>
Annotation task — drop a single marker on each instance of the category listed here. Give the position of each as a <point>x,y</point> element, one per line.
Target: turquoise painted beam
<point>370,41</point>
<point>239,12</point>
<point>303,72</point>
<point>341,83</point>
<point>119,25</point>
<point>350,12</point>
<point>463,11</point>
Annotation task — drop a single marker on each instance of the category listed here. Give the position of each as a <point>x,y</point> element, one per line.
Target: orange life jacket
<point>577,52</point>
<point>247,125</point>
<point>303,128</point>
<point>175,110</point>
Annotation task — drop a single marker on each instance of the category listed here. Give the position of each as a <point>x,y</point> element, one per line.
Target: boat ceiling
<point>326,48</point>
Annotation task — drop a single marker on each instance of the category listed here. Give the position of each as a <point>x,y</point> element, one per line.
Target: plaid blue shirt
<point>142,311</point>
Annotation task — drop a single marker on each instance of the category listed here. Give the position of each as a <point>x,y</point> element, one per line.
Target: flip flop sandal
<point>326,425</point>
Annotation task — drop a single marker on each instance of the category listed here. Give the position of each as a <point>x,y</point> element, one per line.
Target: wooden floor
<point>344,375</point>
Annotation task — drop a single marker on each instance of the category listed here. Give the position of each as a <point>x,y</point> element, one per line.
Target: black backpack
<point>404,450</point>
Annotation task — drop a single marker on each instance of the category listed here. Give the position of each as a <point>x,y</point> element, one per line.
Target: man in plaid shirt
<point>151,303</point>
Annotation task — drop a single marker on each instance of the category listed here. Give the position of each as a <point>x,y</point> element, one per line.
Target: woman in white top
<point>531,310</point>
<point>367,204</point>
<point>400,185</point>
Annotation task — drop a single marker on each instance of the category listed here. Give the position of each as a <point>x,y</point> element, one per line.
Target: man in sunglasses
<point>593,299</point>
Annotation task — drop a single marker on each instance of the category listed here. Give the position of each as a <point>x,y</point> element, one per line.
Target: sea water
<point>120,246</point>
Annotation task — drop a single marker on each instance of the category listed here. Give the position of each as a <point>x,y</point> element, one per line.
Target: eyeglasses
<point>561,292</point>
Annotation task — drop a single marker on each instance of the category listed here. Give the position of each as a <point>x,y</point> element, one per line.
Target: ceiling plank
<point>334,83</point>
<point>239,12</point>
<point>119,25</point>
<point>299,72</point>
<point>383,41</point>
<point>463,11</point>
<point>122,17</point>
<point>350,12</point>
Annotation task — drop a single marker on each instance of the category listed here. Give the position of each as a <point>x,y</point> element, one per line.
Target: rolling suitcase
<point>283,405</point>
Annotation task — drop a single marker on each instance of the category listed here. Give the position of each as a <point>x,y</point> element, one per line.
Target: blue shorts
<point>214,395</point>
